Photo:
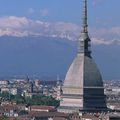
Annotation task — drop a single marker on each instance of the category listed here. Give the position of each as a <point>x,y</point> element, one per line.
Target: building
<point>5,89</point>
<point>14,91</point>
<point>10,111</point>
<point>59,92</point>
<point>114,116</point>
<point>38,108</point>
<point>37,83</point>
<point>46,91</point>
<point>4,82</point>
<point>83,89</point>
<point>48,116</point>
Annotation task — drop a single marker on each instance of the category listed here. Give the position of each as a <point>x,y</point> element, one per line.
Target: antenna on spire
<point>84,19</point>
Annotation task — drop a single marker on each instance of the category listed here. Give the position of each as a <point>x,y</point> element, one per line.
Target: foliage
<point>3,118</point>
<point>19,99</point>
<point>42,100</point>
<point>4,95</point>
<point>35,100</point>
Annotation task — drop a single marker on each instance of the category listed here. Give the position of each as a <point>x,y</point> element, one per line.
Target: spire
<point>84,24</point>
<point>84,41</point>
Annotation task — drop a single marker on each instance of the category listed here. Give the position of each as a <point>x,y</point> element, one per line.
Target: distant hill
<point>45,56</point>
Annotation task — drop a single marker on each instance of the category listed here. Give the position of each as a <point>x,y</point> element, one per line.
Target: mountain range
<point>50,56</point>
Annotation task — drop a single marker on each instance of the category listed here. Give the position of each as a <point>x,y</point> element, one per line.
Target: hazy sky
<point>101,12</point>
<point>61,18</point>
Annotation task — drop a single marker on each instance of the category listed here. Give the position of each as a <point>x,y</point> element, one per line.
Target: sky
<point>61,18</point>
<point>32,17</point>
<point>101,12</point>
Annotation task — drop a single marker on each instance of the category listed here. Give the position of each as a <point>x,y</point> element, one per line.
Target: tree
<point>3,118</point>
<point>19,99</point>
<point>42,100</point>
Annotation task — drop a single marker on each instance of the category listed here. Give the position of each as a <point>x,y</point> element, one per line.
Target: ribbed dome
<point>74,76</point>
<point>92,76</point>
<point>83,72</point>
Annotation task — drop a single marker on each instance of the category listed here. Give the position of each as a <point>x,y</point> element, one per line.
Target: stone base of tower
<point>93,101</point>
<point>66,109</point>
<point>71,103</point>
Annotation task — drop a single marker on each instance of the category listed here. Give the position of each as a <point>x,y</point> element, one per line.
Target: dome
<point>83,72</point>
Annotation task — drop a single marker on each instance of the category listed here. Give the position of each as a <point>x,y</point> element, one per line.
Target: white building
<point>4,82</point>
<point>14,91</point>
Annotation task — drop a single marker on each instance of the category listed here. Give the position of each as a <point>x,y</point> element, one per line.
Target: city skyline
<point>59,60</point>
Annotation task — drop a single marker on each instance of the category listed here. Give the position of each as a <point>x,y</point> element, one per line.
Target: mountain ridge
<point>48,56</point>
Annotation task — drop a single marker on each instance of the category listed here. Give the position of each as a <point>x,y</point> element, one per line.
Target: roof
<point>42,107</point>
<point>47,114</point>
<point>7,108</point>
<point>83,72</point>
<point>19,118</point>
<point>89,116</point>
<point>59,118</point>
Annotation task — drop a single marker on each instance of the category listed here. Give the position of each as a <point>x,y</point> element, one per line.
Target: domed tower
<point>83,88</point>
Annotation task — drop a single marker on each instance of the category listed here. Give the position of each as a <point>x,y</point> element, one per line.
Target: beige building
<point>37,83</point>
